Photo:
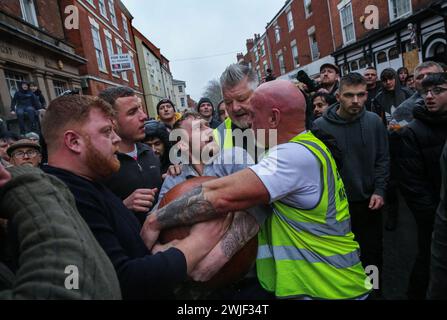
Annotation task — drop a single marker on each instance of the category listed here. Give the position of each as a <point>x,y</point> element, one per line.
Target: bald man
<point>306,247</point>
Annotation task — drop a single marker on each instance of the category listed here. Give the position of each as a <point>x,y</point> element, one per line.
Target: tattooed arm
<point>233,193</point>
<point>243,228</point>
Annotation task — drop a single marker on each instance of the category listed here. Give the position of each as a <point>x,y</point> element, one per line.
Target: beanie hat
<point>202,101</point>
<point>163,101</point>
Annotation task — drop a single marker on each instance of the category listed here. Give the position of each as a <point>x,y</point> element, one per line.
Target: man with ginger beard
<point>306,248</point>
<point>82,147</point>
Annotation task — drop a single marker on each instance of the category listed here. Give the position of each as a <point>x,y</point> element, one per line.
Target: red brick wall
<point>358,10</point>
<point>47,12</point>
<point>319,19</point>
<point>82,40</point>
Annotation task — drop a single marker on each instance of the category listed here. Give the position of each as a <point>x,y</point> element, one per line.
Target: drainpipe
<point>330,21</point>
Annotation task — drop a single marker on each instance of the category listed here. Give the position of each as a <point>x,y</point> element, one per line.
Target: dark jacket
<point>41,98</point>
<point>23,99</point>
<point>364,144</point>
<point>421,147</point>
<point>49,234</point>
<point>385,100</point>
<point>141,275</point>
<point>405,110</point>
<point>145,173</point>
<point>372,93</point>
<point>214,123</point>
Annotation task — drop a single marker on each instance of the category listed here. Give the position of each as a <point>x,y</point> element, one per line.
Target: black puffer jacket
<point>24,99</point>
<point>418,158</point>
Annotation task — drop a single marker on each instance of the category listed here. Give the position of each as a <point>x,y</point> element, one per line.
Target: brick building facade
<point>105,28</point>
<point>33,48</point>
<point>307,33</point>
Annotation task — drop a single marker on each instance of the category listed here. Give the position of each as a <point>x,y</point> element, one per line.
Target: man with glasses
<point>405,110</point>
<point>25,152</point>
<point>420,178</point>
<point>363,140</point>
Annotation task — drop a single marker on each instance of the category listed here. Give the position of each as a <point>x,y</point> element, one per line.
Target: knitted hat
<point>163,101</point>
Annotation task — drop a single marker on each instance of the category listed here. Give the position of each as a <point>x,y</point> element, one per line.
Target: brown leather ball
<point>240,263</point>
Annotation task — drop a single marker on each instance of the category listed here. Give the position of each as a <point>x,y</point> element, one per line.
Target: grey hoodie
<point>364,145</point>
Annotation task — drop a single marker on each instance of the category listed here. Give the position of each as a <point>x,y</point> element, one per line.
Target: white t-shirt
<point>291,173</point>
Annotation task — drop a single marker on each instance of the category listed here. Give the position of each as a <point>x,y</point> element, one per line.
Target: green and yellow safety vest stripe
<point>312,253</point>
<point>223,135</point>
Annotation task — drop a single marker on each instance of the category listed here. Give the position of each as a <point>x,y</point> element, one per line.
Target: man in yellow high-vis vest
<point>238,83</point>
<point>306,247</point>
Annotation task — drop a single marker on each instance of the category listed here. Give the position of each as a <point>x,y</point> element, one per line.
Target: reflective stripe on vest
<point>312,252</point>
<point>223,134</point>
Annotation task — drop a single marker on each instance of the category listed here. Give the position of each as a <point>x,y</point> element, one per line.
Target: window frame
<point>32,6</point>
<point>307,4</point>
<point>103,8</point>
<point>344,27</point>
<point>290,21</point>
<point>125,27</point>
<point>391,10</point>
<point>314,55</point>
<point>109,40</point>
<point>101,60</point>
<point>296,59</point>
<point>112,12</point>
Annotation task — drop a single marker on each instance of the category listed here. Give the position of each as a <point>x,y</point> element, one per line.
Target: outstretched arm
<point>243,228</point>
<point>233,193</point>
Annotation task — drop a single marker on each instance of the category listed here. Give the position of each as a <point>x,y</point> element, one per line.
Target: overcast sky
<point>187,30</point>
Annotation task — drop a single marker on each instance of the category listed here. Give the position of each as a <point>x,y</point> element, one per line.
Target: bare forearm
<point>191,208</point>
<point>243,228</point>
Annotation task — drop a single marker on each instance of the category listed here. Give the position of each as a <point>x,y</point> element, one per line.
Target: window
<point>296,61</point>
<point>91,2</point>
<point>277,33</point>
<point>345,69</point>
<point>119,49</point>
<point>393,53</point>
<point>354,66</point>
<point>256,54</point>
<point>29,11</point>
<point>126,27</point>
<point>182,101</point>
<point>381,57</point>
<point>347,24</point>
<point>98,48</point>
<point>112,13</point>
<point>59,87</point>
<point>134,72</point>
<point>102,8</point>
<point>13,80</point>
<point>180,89</point>
<point>282,67</point>
<point>262,49</point>
<point>440,49</point>
<point>258,72</point>
<point>362,63</point>
<point>265,67</point>
<point>399,8</point>
<point>290,21</point>
<point>110,51</point>
<point>314,46</point>
<point>308,7</point>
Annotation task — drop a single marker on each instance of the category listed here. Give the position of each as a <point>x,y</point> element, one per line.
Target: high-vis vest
<point>312,253</point>
<point>223,135</point>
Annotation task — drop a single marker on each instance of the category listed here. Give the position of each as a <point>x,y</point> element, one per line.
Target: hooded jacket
<point>364,145</point>
<point>418,158</point>
<point>23,99</point>
<point>385,100</point>
<point>213,122</point>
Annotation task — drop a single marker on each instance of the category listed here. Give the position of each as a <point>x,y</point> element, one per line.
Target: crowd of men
<point>87,191</point>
